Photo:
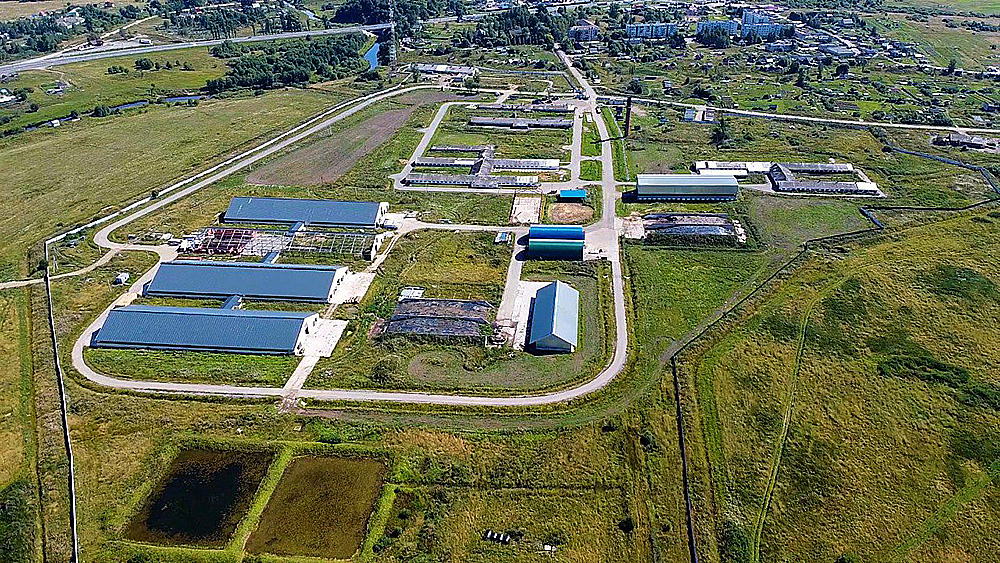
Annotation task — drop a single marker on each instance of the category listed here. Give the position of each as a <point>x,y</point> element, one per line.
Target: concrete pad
<point>353,288</point>
<point>324,339</point>
<point>526,291</point>
<point>526,210</point>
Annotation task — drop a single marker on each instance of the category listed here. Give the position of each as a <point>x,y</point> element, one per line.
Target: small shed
<point>573,195</point>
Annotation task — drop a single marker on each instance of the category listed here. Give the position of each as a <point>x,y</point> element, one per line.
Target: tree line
<point>288,63</point>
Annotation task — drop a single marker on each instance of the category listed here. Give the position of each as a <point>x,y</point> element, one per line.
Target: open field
<point>193,367</point>
<point>105,163</point>
<point>331,155</point>
<point>972,50</point>
<point>796,404</point>
<point>88,84</point>
<point>536,143</point>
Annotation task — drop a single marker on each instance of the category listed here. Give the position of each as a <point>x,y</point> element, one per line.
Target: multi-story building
<point>764,30</point>
<point>750,18</point>
<point>706,26</point>
<point>584,31</point>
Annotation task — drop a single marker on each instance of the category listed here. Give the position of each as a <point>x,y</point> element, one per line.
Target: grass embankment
<point>899,354</point>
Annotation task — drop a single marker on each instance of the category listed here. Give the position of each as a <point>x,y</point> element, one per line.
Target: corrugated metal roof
<point>556,315</point>
<point>573,194</point>
<point>254,280</point>
<point>192,328</point>
<point>318,212</point>
<point>567,232</point>
<point>687,184</point>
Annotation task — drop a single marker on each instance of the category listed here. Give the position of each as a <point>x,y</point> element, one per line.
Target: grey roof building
<point>206,330</point>
<point>555,318</point>
<point>316,212</point>
<point>253,280</point>
<point>686,187</point>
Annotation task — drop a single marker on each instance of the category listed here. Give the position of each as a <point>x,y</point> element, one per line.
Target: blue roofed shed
<point>572,195</point>
<point>253,280</point>
<point>555,318</point>
<point>206,330</point>
<point>315,212</point>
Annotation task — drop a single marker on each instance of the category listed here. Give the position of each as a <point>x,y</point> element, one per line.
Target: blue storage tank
<point>560,232</point>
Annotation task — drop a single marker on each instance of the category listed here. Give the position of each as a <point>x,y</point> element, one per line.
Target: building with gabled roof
<point>253,280</point>
<point>205,330</point>
<point>555,318</point>
<point>315,212</point>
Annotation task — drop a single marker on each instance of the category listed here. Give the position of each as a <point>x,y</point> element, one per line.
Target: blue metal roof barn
<point>316,212</point>
<point>555,318</point>
<point>207,330</point>
<point>253,280</point>
<point>565,232</point>
<point>556,241</point>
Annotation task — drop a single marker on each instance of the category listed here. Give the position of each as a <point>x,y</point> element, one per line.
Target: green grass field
<point>106,163</point>
<point>89,84</point>
<point>536,143</point>
<point>798,401</point>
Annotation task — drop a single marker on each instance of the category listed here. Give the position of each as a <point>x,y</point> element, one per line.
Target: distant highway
<point>49,61</point>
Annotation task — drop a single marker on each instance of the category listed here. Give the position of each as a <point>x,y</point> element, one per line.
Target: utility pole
<point>628,115</point>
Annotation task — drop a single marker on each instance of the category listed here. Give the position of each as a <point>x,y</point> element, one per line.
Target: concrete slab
<point>526,291</point>
<point>353,288</point>
<point>526,210</point>
<point>324,339</point>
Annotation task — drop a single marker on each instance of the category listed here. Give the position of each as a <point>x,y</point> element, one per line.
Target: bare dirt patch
<point>330,157</point>
<point>568,212</point>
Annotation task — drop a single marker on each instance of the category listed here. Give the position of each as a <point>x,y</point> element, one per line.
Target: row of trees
<point>223,23</point>
<point>521,26</point>
<point>408,12</point>
<point>289,63</point>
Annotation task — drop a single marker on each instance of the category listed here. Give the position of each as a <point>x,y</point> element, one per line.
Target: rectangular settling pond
<point>202,498</point>
<point>320,508</point>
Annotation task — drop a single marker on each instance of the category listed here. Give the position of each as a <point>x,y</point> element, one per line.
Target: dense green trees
<point>289,63</point>
<point>521,26</point>
<point>408,12</point>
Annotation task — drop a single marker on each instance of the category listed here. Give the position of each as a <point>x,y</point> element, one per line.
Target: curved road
<point>602,235</point>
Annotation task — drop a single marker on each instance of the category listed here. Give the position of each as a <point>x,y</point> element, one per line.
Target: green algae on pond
<point>320,508</point>
<point>201,499</point>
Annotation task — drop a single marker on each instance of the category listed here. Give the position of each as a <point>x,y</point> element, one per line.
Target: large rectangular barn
<point>555,318</point>
<point>205,330</point>
<point>315,212</point>
<point>253,280</point>
<point>686,187</point>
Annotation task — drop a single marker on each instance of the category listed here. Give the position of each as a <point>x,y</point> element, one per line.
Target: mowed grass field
<point>971,49</point>
<point>56,178</point>
<point>856,411</point>
<point>534,143</point>
<point>89,84</point>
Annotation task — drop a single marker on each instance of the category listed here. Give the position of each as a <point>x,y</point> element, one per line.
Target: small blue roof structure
<point>572,194</point>
<point>555,318</point>
<point>206,330</point>
<point>253,280</point>
<point>315,212</point>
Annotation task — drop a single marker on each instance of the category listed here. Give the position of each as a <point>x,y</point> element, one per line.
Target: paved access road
<point>48,61</point>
